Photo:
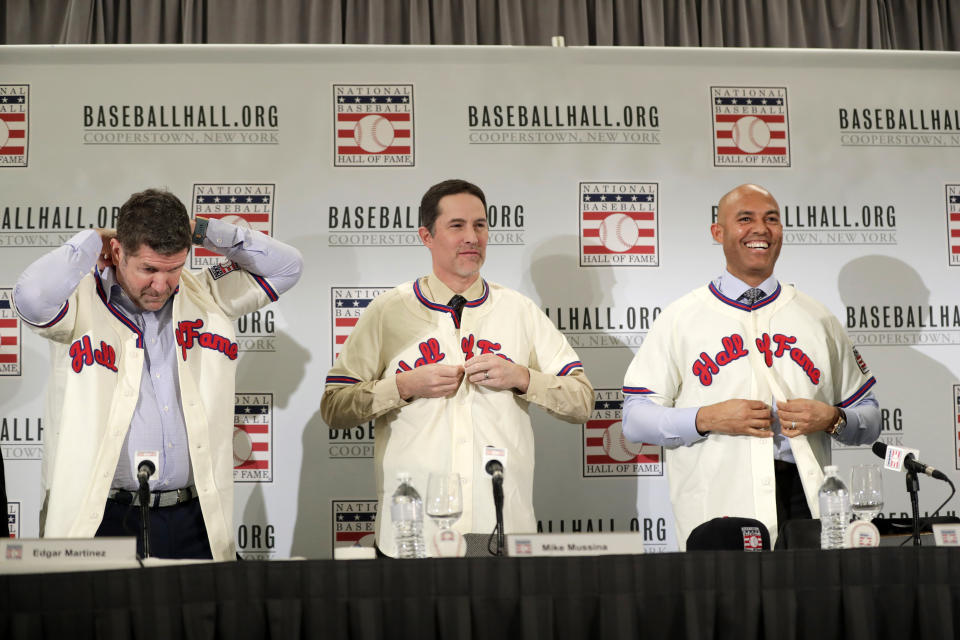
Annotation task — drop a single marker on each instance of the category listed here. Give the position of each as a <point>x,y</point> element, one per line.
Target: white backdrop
<point>330,149</point>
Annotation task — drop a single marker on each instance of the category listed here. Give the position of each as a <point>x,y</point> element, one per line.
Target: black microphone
<point>495,469</point>
<point>911,463</point>
<point>145,470</point>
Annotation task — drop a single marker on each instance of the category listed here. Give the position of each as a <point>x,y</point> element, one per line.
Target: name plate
<point>574,544</point>
<point>51,555</point>
<point>946,535</point>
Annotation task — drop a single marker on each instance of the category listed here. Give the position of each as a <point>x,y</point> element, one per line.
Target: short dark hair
<point>155,218</point>
<point>430,203</point>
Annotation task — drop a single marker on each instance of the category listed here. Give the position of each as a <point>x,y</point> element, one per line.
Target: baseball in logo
<point>14,124</point>
<point>750,127</point>
<point>618,224</point>
<point>253,437</point>
<point>354,523</point>
<point>245,205</point>
<point>9,335</point>
<point>953,224</point>
<point>374,125</point>
<point>606,451</point>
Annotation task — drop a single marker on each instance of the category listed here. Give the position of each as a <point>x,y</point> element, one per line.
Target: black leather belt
<point>157,498</point>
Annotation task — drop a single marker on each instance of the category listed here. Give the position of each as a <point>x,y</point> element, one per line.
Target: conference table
<point>850,594</point>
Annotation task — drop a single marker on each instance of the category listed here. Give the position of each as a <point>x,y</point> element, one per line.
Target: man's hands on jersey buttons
<point>494,372</point>
<point>429,381</point>
<point>736,417</point>
<point>802,416</point>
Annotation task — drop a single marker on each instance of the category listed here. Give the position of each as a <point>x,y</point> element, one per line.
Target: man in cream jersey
<point>745,381</point>
<point>448,364</point>
<point>143,363</point>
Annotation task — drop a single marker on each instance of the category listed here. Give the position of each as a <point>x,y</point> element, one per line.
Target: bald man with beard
<point>745,381</point>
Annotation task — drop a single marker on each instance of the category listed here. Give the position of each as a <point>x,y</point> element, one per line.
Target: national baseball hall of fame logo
<point>353,523</point>
<point>953,224</point>
<point>245,205</point>
<point>253,437</point>
<point>13,519</point>
<point>606,451</point>
<point>618,224</point>
<point>14,124</point>
<point>346,306</point>
<point>750,127</point>
<point>9,335</point>
<point>373,125</point>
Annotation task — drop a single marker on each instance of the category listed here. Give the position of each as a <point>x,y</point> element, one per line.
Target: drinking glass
<point>444,498</point>
<point>866,491</point>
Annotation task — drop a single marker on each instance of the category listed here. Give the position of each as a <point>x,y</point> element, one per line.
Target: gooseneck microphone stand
<point>913,487</point>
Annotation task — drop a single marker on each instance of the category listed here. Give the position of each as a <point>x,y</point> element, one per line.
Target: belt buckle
<point>183,495</point>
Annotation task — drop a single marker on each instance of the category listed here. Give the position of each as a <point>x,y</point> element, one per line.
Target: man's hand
<point>494,372</point>
<point>429,381</point>
<point>801,416</point>
<point>105,258</point>
<point>736,417</point>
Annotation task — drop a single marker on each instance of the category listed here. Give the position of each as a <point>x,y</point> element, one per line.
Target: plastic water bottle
<point>406,511</point>
<point>834,510</point>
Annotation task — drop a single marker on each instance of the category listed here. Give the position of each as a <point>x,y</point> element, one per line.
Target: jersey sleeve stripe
<point>270,291</point>
<point>576,364</point>
<point>637,390</point>
<point>342,380</point>
<point>858,394</point>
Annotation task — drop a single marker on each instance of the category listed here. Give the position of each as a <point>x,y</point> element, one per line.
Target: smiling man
<point>448,364</point>
<point>745,381</point>
<point>143,363</point>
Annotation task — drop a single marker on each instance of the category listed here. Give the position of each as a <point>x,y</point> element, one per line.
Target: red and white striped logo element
<point>245,205</point>
<point>953,224</point>
<point>14,124</point>
<point>346,306</point>
<point>9,335</point>
<point>618,224</point>
<point>253,437</point>
<point>373,125</point>
<point>607,451</point>
<point>750,127</point>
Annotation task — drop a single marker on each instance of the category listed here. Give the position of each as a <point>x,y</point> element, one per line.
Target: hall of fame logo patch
<point>750,127</point>
<point>253,437</point>
<point>10,356</point>
<point>346,306</point>
<point>14,124</point>
<point>618,224</point>
<point>606,451</point>
<point>953,224</point>
<point>245,205</point>
<point>13,519</point>
<point>353,523</point>
<point>373,125</point>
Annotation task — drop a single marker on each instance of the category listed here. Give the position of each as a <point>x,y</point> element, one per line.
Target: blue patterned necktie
<point>750,296</point>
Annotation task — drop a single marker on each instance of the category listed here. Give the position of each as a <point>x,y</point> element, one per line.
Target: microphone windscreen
<point>880,449</point>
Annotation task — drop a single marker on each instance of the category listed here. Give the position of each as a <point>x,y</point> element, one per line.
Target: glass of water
<point>444,498</point>
<point>866,491</point>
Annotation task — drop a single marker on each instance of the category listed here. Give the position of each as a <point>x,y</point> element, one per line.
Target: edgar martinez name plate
<point>574,544</point>
<point>51,555</point>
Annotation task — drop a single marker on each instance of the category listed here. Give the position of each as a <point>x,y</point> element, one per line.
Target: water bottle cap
<point>830,470</point>
<point>403,476</point>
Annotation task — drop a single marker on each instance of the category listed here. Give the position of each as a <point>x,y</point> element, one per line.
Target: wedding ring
<point>793,425</point>
<point>486,375</point>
